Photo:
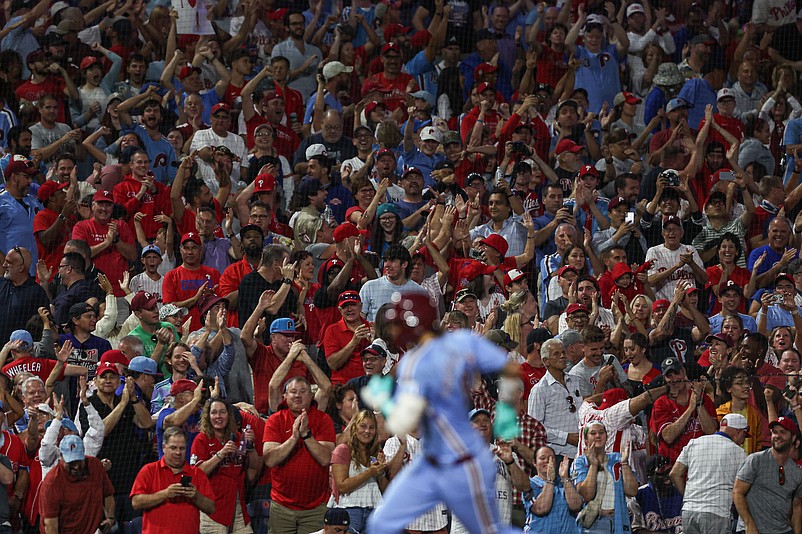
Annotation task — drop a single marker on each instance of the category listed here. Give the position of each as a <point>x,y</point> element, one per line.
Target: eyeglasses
<point>264,133</point>
<point>782,475</point>
<point>63,265</point>
<point>571,405</point>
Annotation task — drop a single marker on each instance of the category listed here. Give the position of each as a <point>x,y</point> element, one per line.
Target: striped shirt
<point>664,259</point>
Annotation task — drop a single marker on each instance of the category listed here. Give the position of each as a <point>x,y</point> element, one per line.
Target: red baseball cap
<point>617,201</point>
<point>512,276</point>
<point>395,29</point>
<point>371,106</point>
<point>20,164</point>
<point>498,243</point>
<point>344,231</point>
<point>421,39</point>
<point>187,70</point>
<point>484,86</point>
<point>482,69</point>
<point>391,47</point>
<point>89,61</point>
<point>587,169</point>
<point>103,196</point>
<point>221,106</point>
<point>786,423</point>
<point>264,183</point>
<point>181,385</point>
<point>576,307</point>
<point>114,356</point>
<point>143,301</point>
<point>106,367</point>
<point>191,236</point>
<point>612,397</point>
<point>566,268</point>
<point>348,297</point>
<point>47,189</point>
<point>660,304</point>
<point>566,145</point>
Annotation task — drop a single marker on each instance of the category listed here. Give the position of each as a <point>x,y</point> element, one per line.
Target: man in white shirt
<point>711,463</point>
<point>205,141</point>
<point>672,261</point>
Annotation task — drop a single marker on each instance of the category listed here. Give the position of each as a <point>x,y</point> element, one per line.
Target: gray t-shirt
<point>42,137</point>
<point>769,502</point>
<point>589,376</point>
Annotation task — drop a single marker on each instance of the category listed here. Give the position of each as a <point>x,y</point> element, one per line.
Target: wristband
<point>548,482</point>
<point>217,454</point>
<point>509,463</point>
<point>62,217</point>
<point>135,401</point>
<point>307,435</point>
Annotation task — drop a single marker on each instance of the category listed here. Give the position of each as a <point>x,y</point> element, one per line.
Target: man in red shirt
<point>485,109</point>
<point>45,82</point>
<point>298,441</point>
<point>344,340</point>
<point>725,118</point>
<point>682,415</point>
<point>171,493</point>
<point>53,225</point>
<point>77,495</point>
<point>391,78</point>
<point>139,192</point>
<point>186,284</point>
<point>251,238</point>
<point>111,241</point>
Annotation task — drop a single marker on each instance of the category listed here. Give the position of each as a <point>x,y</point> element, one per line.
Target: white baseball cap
<point>316,150</point>
<point>634,8</point>
<point>430,133</point>
<point>335,68</point>
<point>734,420</point>
<point>725,93</point>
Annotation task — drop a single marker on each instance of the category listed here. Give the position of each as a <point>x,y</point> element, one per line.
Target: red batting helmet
<point>414,314</point>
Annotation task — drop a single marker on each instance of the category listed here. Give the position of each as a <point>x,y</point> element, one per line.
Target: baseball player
<point>432,392</point>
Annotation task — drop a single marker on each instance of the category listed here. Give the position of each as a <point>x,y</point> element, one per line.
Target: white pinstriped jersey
<point>664,259</point>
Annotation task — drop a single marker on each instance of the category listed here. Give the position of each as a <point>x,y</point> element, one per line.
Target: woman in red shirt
<point>639,368</point>
<point>305,289</point>
<point>729,250</point>
<point>227,456</point>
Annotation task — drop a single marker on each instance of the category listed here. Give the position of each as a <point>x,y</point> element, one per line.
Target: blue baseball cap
<point>65,423</point>
<point>473,413</point>
<point>284,326</point>
<point>72,448</point>
<point>677,103</point>
<point>24,336</point>
<point>144,365</point>
<point>151,248</point>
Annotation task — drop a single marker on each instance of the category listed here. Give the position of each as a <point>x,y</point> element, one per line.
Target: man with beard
<point>391,77</point>
<point>658,505</point>
<point>303,57</point>
<point>43,82</point>
<point>337,77</point>
<point>768,500</point>
<point>397,267</point>
<point>251,239</point>
<point>49,137</point>
<point>505,223</point>
<point>319,167</point>
<point>18,208</point>
<point>19,142</point>
<point>711,464</point>
<point>159,149</point>
<point>77,496</point>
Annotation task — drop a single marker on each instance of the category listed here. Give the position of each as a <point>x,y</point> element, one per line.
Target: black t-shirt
<point>565,179</point>
<point>123,445</point>
<point>251,288</point>
<point>20,303</point>
<point>460,22</point>
<point>786,40</point>
<point>679,345</point>
<point>554,307</point>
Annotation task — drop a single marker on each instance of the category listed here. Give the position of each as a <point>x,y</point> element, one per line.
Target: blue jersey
<point>559,518</point>
<point>598,75</point>
<point>440,372</point>
<point>660,514</point>
<point>161,154</point>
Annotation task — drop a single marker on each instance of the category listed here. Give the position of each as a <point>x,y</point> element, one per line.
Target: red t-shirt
<point>337,336</point>
<point>173,515</point>
<point>300,482</point>
<point>41,367</point>
<point>229,282</point>
<point>76,503</point>
<point>264,363</point>
<point>312,330</point>
<point>43,220</point>
<point>397,87</point>
<point>551,66</point>
<point>731,124</point>
<point>491,122</point>
<point>665,412</point>
<point>228,479</point>
<point>285,141</point>
<point>157,203</point>
<point>181,284</point>
<point>110,262</point>
<point>739,275</point>
<point>51,85</point>
<point>530,376</point>
<point>293,101</point>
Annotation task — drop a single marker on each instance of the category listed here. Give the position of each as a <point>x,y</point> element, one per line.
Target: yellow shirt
<point>750,444</point>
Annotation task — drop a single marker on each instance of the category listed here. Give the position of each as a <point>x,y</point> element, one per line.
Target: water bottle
<point>327,214</point>
<point>243,444</point>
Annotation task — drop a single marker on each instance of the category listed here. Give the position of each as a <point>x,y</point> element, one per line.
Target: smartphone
<point>630,218</point>
<point>789,392</point>
<point>610,359</point>
<point>726,176</point>
<point>186,480</point>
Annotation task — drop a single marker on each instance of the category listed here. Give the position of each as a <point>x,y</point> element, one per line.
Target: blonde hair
<point>360,454</point>
<point>648,307</point>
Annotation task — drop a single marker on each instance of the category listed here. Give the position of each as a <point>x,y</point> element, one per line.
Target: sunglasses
<point>571,405</point>
<point>782,475</point>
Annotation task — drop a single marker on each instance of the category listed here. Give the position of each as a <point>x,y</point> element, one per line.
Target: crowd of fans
<point>208,207</point>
